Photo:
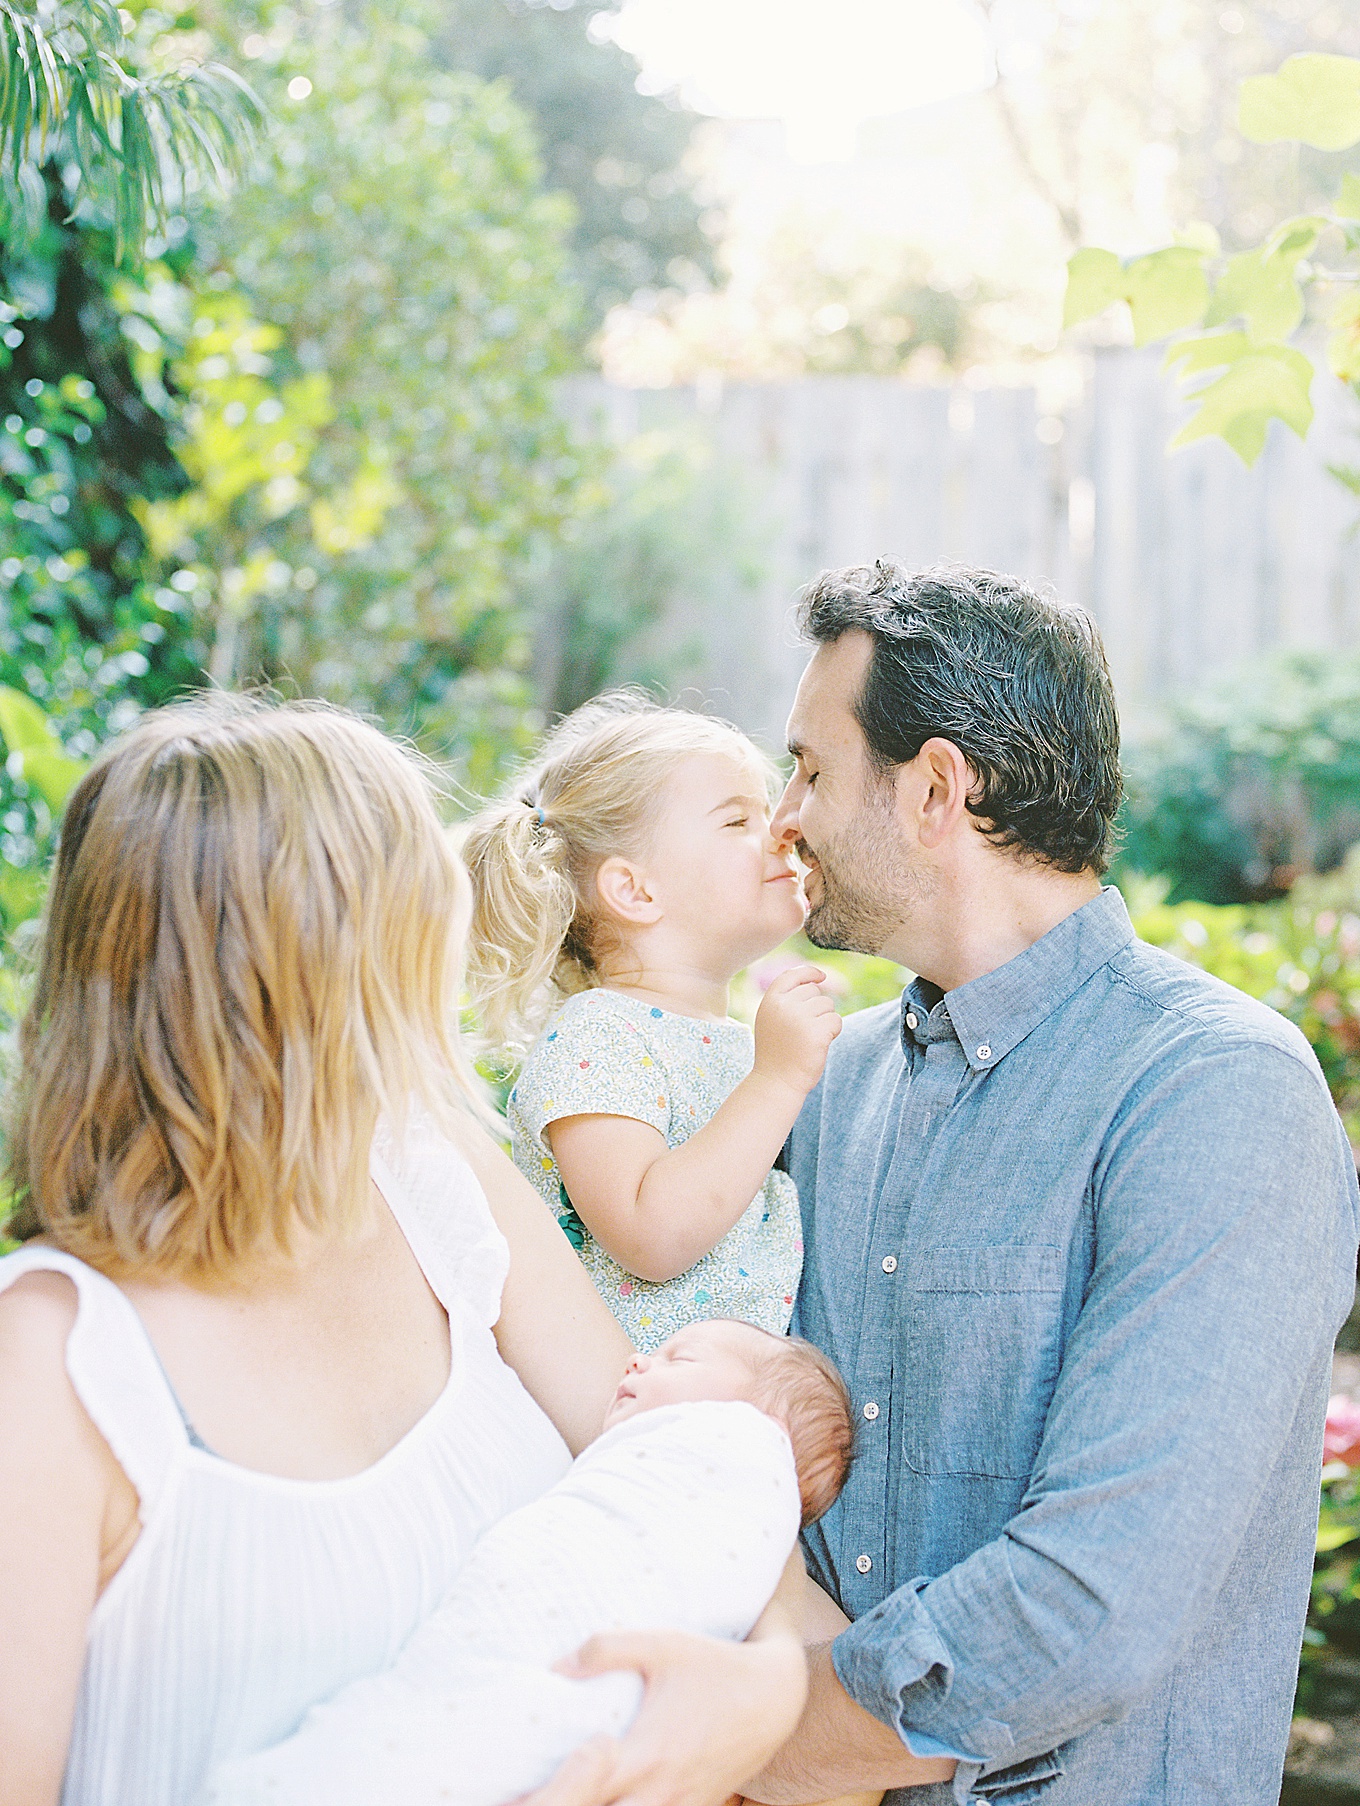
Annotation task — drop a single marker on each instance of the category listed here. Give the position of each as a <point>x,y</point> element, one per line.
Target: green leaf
<point>1166,290</point>
<point>1210,351</point>
<point>1199,235</point>
<point>1094,279</point>
<point>1348,201</point>
<point>54,775</point>
<point>23,724</point>
<point>1343,348</point>
<point>1335,1536</point>
<point>1295,238</point>
<point>1271,382</point>
<point>29,736</point>
<point>1261,290</point>
<point>1312,98</point>
<point>21,895</point>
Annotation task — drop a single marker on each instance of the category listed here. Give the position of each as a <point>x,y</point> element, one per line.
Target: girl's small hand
<point>712,1716</point>
<point>795,1025</point>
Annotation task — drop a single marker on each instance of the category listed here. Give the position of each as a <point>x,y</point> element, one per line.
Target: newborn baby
<point>680,1516</point>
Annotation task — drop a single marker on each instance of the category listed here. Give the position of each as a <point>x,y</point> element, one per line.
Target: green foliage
<point>617,153</point>
<point>1165,290</point>
<point>36,755</point>
<point>407,309</point>
<point>128,139</point>
<point>1260,293</point>
<point>1312,99</point>
<point>75,644</point>
<point>1256,780</point>
<point>83,635</point>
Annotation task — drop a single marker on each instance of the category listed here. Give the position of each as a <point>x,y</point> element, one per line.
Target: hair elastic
<point>540,818</point>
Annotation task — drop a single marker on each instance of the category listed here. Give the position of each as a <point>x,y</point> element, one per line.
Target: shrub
<point>1255,781</point>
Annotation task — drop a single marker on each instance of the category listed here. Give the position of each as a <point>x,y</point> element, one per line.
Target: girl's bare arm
<point>658,1210</point>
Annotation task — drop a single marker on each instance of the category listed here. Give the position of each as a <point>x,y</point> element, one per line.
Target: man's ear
<point>943,781</point>
<point>624,893</point>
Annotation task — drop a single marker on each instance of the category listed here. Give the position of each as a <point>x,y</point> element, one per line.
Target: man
<point>1080,1229</point>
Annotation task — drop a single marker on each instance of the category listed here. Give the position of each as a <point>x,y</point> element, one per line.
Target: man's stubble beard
<point>867,883</point>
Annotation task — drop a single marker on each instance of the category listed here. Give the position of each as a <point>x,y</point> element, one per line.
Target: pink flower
<point>1341,1434</point>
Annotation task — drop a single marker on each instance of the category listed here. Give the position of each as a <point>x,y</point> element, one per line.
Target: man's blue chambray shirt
<point>1080,1235</point>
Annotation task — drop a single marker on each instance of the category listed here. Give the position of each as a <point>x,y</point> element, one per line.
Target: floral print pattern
<point>607,1054</point>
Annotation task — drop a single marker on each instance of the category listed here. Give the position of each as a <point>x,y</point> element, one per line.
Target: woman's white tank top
<point>249,1597</point>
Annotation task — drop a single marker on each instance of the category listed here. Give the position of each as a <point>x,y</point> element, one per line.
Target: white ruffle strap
<point>116,1374</point>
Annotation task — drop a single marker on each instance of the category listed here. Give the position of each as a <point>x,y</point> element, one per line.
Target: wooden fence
<point>1189,563</point>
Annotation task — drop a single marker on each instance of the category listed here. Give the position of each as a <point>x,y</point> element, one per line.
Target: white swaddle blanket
<point>679,1518</point>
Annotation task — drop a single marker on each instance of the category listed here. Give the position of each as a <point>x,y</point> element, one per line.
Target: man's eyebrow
<point>798,749</point>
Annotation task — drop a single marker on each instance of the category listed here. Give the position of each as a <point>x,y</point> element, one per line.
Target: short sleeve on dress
<point>592,1062</point>
<point>116,1374</point>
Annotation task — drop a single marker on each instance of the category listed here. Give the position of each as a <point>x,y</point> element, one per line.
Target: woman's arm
<point>59,1496</point>
<point>658,1210</point>
<point>554,1330</point>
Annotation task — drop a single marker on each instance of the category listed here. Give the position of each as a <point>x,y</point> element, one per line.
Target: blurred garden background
<point>455,359</point>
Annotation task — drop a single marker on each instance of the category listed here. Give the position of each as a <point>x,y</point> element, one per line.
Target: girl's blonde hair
<point>250,951</point>
<point>537,935</point>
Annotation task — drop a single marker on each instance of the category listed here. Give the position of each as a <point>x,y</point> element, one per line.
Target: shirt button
<point>911,1020</point>
<point>984,1052</point>
<point>889,1263</point>
<point>871,1410</point>
<point>864,1563</point>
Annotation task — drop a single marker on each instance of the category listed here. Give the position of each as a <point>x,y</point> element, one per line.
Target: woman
<point>270,1365</point>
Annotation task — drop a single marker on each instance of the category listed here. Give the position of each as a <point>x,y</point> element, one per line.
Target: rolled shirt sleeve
<point>1224,1203</point>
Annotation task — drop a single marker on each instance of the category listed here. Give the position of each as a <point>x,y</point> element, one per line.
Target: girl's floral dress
<point>604,1054</point>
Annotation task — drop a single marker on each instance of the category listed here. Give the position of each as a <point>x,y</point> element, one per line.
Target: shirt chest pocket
<point>981,1345</point>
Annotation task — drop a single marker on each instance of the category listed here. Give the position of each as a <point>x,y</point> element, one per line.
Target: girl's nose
<point>639,1364</point>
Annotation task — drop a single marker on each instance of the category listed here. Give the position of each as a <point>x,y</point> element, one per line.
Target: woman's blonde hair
<point>250,951</point>
<point>537,935</point>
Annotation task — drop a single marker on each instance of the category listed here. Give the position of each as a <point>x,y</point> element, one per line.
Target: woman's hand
<point>713,1714</point>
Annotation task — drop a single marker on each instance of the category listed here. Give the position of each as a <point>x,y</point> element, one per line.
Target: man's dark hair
<point>1014,679</point>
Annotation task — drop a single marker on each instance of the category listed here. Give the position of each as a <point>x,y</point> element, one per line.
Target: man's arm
<point>839,1749</point>
<point>1225,1238</point>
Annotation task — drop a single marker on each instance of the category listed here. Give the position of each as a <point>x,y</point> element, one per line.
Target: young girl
<point>617,893</point>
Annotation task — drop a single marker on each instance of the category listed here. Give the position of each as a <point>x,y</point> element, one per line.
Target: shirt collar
<point>992,1014</point>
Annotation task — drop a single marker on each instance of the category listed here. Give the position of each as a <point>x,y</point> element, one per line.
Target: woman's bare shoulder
<point>37,1314</point>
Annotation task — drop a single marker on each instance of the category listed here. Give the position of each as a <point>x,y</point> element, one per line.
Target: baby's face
<point>702,1361</point>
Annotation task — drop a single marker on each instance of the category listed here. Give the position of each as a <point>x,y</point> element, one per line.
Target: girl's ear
<point>624,893</point>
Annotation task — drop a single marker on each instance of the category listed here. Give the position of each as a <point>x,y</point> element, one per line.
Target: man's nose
<point>784,821</point>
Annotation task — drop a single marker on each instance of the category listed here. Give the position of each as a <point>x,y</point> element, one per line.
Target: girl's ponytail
<point>523,905</point>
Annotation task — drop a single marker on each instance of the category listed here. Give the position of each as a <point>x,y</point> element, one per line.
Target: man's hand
<point>712,1714</point>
